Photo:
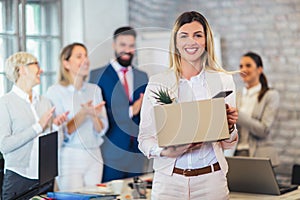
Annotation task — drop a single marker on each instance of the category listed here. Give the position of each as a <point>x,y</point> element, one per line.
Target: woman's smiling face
<point>191,41</point>
<point>250,72</point>
<point>78,63</point>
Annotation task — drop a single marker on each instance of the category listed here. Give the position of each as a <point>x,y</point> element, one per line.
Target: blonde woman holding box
<point>191,171</point>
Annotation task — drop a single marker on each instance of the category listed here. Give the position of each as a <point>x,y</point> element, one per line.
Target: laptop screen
<point>48,168</point>
<point>252,175</point>
<point>48,158</point>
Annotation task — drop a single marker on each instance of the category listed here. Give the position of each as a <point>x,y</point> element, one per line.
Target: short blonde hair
<point>13,63</point>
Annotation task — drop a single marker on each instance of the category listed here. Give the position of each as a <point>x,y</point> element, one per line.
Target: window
<point>33,26</point>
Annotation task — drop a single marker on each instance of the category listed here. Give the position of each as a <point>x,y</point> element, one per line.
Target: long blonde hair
<point>64,77</point>
<point>208,57</point>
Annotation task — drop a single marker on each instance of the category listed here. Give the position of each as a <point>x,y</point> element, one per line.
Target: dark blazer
<point>119,145</point>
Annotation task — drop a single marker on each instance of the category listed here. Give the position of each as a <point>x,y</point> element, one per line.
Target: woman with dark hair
<point>258,106</point>
<point>81,162</point>
<point>191,171</point>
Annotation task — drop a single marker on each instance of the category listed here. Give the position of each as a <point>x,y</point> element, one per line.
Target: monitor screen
<point>48,157</point>
<point>48,166</point>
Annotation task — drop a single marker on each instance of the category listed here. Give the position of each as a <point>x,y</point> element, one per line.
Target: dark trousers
<point>15,185</point>
<point>1,173</point>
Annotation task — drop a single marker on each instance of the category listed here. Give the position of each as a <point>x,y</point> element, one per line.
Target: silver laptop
<point>254,175</point>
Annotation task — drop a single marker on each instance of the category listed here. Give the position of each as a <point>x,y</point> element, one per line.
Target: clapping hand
<point>89,109</point>
<point>45,119</point>
<point>60,119</point>
<point>136,107</point>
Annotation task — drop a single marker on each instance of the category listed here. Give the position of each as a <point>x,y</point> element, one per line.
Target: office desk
<point>294,195</point>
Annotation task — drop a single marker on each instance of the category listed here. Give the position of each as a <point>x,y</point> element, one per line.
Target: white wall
<point>94,24</point>
<point>72,23</point>
<point>153,50</point>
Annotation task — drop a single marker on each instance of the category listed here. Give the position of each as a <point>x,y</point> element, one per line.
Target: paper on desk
<point>96,190</point>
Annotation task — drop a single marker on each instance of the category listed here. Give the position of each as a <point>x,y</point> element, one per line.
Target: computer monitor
<point>48,166</point>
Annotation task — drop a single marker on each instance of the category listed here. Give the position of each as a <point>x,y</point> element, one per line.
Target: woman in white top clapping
<point>81,161</point>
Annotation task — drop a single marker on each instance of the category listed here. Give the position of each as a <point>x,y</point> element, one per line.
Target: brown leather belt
<point>197,172</point>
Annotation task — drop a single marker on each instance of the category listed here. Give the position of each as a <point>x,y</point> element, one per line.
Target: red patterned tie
<point>125,83</point>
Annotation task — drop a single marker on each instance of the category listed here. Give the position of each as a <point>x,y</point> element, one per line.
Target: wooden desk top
<point>294,195</point>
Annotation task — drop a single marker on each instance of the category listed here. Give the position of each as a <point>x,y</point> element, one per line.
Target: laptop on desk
<point>48,158</point>
<point>254,175</point>
<point>48,166</point>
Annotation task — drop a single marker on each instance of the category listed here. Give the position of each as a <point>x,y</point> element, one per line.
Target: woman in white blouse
<point>191,171</point>
<point>81,161</point>
<point>24,116</point>
<point>258,106</point>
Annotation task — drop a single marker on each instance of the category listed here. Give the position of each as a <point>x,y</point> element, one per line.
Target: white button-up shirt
<point>129,76</point>
<point>193,90</point>
<point>248,101</point>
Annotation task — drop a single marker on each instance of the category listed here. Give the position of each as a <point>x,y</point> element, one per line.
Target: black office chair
<point>296,174</point>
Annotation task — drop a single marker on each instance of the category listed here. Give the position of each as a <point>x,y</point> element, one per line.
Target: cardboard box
<point>191,122</point>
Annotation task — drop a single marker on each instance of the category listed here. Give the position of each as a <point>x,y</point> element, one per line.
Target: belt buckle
<point>186,171</point>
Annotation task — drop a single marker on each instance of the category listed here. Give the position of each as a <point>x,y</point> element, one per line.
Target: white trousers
<point>211,186</point>
<point>79,168</point>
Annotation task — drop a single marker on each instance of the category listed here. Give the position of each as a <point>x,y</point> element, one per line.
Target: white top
<point>148,143</point>
<point>193,90</point>
<point>31,171</point>
<point>67,98</point>
<point>248,101</point>
<point>129,76</point>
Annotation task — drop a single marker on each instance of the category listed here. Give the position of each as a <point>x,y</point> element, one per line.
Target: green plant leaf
<point>162,96</point>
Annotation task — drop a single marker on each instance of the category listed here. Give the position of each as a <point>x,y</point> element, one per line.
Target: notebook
<point>254,175</point>
<point>79,196</point>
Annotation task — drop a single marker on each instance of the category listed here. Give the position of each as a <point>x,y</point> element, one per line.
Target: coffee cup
<point>116,186</point>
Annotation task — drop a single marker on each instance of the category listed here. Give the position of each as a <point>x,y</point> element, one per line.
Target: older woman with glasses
<point>24,116</point>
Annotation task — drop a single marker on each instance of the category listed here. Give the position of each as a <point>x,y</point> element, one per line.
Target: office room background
<point>270,28</point>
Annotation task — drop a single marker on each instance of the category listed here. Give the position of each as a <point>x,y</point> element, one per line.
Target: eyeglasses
<point>33,63</point>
